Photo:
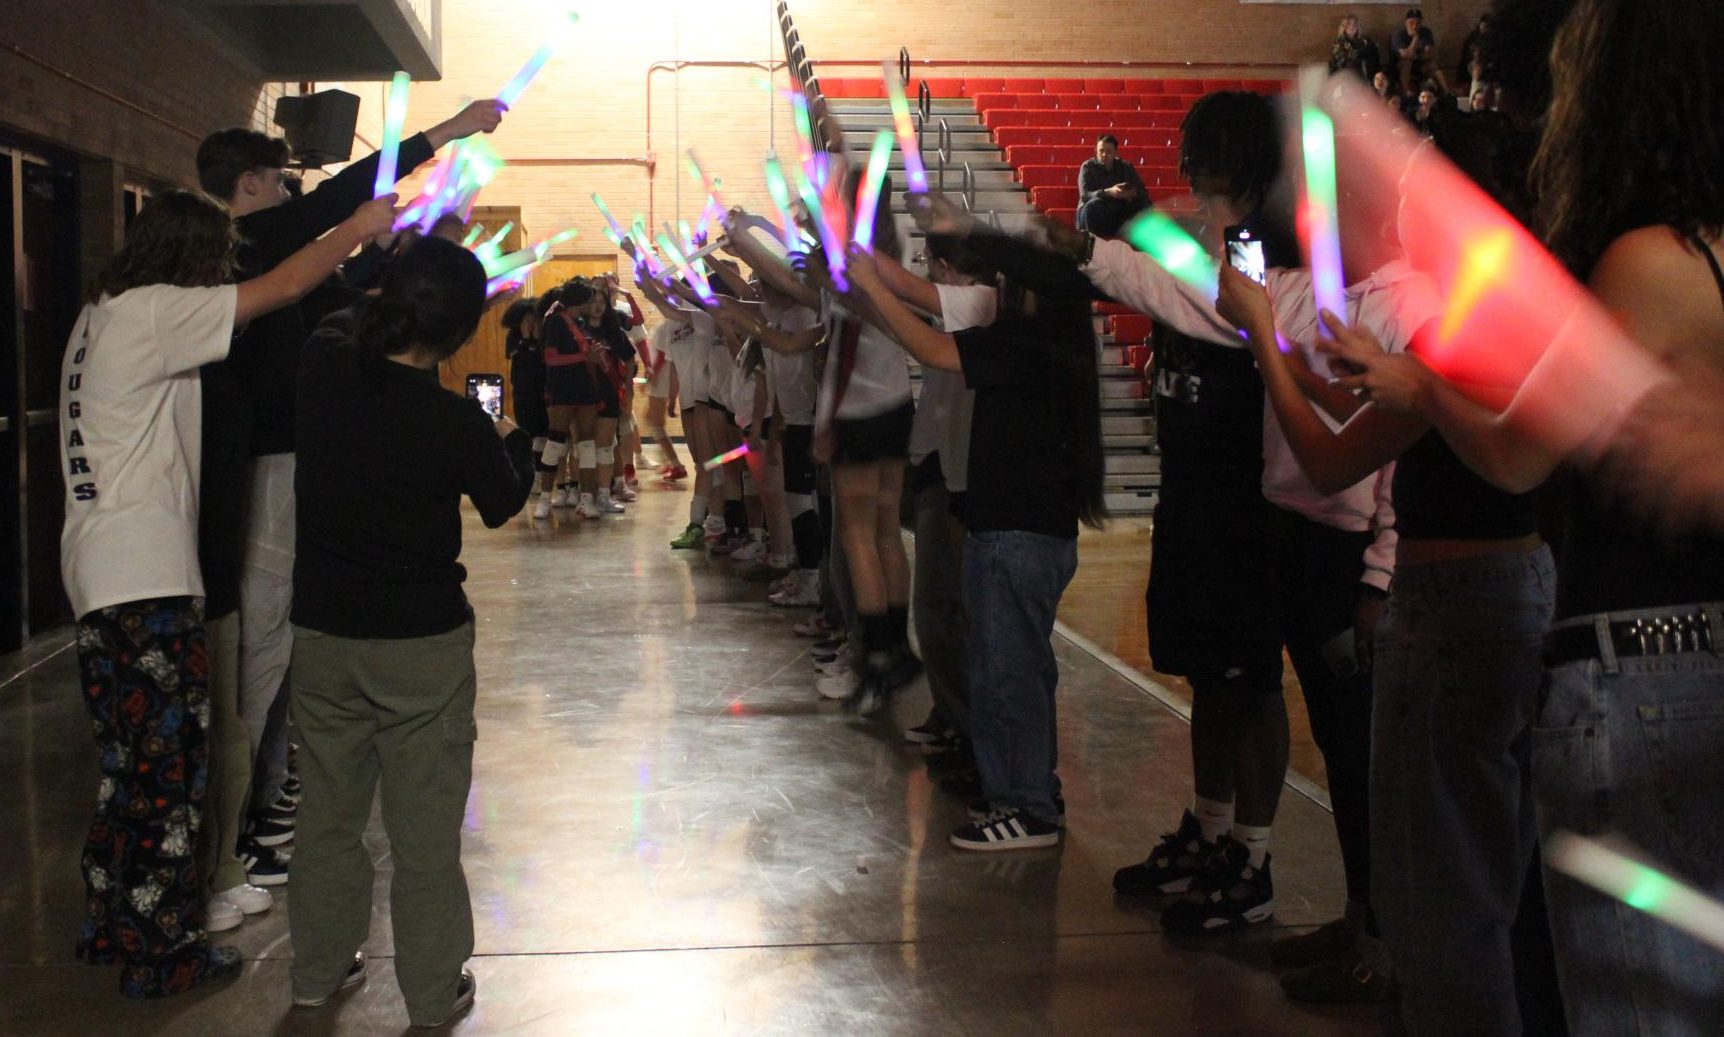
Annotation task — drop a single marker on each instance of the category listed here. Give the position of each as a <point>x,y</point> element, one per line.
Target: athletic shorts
<point>1211,598</point>
<point>658,386</point>
<point>799,468</point>
<point>691,382</point>
<point>883,437</point>
<point>574,385</point>
<point>532,414</point>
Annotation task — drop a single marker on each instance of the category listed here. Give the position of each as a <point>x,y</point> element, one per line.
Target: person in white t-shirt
<point>660,374</point>
<point>863,425</point>
<point>131,443</point>
<point>691,327</point>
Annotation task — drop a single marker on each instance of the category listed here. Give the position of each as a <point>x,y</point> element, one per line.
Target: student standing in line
<point>131,417</point>
<point>384,685</point>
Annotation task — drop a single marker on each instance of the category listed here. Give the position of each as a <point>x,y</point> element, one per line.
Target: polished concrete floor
<point>671,833</point>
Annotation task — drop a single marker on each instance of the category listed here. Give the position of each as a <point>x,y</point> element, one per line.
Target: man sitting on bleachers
<point>1109,190</point>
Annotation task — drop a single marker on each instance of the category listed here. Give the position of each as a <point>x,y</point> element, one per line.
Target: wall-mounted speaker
<point>319,127</point>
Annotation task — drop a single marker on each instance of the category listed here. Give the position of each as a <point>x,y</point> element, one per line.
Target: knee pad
<point>539,444</point>
<point>586,454</point>
<point>625,426</point>
<point>553,453</point>
<point>799,503</point>
<point>606,454</point>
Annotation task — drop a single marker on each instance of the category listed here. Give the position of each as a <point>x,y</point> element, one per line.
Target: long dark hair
<point>1636,130</point>
<point>432,296</point>
<point>1074,383</point>
<point>514,323</point>
<point>182,238</point>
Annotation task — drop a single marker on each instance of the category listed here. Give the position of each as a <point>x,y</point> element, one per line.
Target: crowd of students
<point>278,435</point>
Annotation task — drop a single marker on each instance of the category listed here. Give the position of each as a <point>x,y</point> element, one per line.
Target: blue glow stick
<point>558,36</point>
<point>394,118</point>
<point>832,241</point>
<point>868,203</point>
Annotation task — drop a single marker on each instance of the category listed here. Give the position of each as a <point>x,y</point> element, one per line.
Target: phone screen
<point>488,390</point>
<point>1245,254</point>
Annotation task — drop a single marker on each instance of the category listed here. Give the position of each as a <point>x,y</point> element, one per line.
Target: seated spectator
<point>1415,50</point>
<point>1109,190</point>
<point>1471,67</point>
<point>1387,91</point>
<point>1429,96</point>
<point>1354,50</point>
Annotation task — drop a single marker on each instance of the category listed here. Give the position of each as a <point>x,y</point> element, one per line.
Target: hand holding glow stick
<point>868,202</point>
<point>832,241</point>
<point>906,128</point>
<point>702,287</point>
<point>554,41</point>
<point>394,119</point>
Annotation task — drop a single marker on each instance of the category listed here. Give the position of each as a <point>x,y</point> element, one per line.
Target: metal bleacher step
<point>860,106</point>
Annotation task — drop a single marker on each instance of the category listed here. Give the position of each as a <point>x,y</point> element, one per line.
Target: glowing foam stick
<point>725,458</point>
<point>1156,235</point>
<point>702,287</point>
<point>472,235</point>
<point>833,242</point>
<point>554,41</point>
<point>695,257</point>
<point>491,250</point>
<point>1638,885</point>
<point>707,182</point>
<point>615,233</point>
<point>804,130</point>
<point>1320,225</point>
<point>780,192</point>
<point>868,202</point>
<point>712,212</point>
<point>394,118</point>
<point>906,127</point>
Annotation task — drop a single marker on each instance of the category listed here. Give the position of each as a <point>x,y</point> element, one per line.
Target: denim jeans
<point>1634,748</point>
<point>1012,587</point>
<point>1456,677</point>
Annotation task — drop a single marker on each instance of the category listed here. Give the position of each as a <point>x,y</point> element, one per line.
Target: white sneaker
<point>607,506</point>
<point>753,551</point>
<point>714,525</point>
<point>220,916</point>
<point>560,499</point>
<point>836,687</point>
<point>542,510</point>
<point>801,590</point>
<point>620,490</point>
<point>250,899</point>
<point>838,667</point>
<point>781,561</point>
<point>585,508</point>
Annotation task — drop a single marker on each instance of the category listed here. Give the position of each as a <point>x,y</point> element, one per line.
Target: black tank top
<point>1438,497</point>
<point>1611,562</point>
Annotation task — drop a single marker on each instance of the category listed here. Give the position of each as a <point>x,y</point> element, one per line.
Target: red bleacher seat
<point>1104,86</point>
<point>1129,327</point>
<point>982,85</point>
<point>1023,86</point>
<point>1067,216</point>
<point>1110,309</point>
<point>1145,86</point>
<point>939,88</point>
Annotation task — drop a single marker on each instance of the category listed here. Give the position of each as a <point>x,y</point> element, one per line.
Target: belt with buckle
<point>1698,630</point>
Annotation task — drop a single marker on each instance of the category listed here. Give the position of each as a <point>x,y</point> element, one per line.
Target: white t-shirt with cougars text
<point>131,416</point>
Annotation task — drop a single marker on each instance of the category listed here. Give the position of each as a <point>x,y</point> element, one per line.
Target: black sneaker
<point>263,865</point>
<point>354,977</point>
<point>979,809</point>
<point>1321,944</point>
<point>1172,866</point>
<point>902,668</point>
<point>966,782</point>
<point>956,757</point>
<point>1231,894</point>
<point>270,829</point>
<point>1007,830</point>
<point>1363,975</point>
<point>871,695</point>
<point>465,991</point>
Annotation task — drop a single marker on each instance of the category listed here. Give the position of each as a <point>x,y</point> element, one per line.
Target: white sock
<point>1256,840</point>
<point>1214,816</point>
<point>697,511</point>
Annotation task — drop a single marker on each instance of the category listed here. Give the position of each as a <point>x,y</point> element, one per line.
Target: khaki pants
<point>395,714</point>
<point>230,761</point>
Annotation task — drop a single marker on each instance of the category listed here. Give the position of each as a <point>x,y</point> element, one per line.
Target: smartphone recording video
<point>488,390</point>
<point>1245,254</point>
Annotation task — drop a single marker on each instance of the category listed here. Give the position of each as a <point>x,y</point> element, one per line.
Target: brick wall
<point>591,102</point>
<point>145,51</point>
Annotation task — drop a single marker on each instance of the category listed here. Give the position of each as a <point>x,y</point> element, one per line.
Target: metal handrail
<point>969,188</point>
<point>943,152</point>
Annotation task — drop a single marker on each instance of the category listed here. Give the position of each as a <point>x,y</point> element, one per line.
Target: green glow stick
<point>780,192</point>
<point>616,229</point>
<point>472,235</point>
<point>869,202</point>
<point>1320,226</point>
<point>1638,885</point>
<point>394,119</point>
<point>832,241</point>
<point>701,286</point>
<point>1156,235</point>
<point>906,129</point>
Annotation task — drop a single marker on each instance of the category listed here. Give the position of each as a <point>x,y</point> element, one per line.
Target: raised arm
<point>918,292</point>
<point>931,348</point>
<point>299,273</point>
<point>767,266</point>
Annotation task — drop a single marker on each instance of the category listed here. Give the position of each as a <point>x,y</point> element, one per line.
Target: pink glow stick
<point>906,127</point>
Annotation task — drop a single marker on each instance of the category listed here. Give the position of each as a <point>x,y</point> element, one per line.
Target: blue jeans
<point>1012,587</point>
<point>1456,678</point>
<point>1634,748</point>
